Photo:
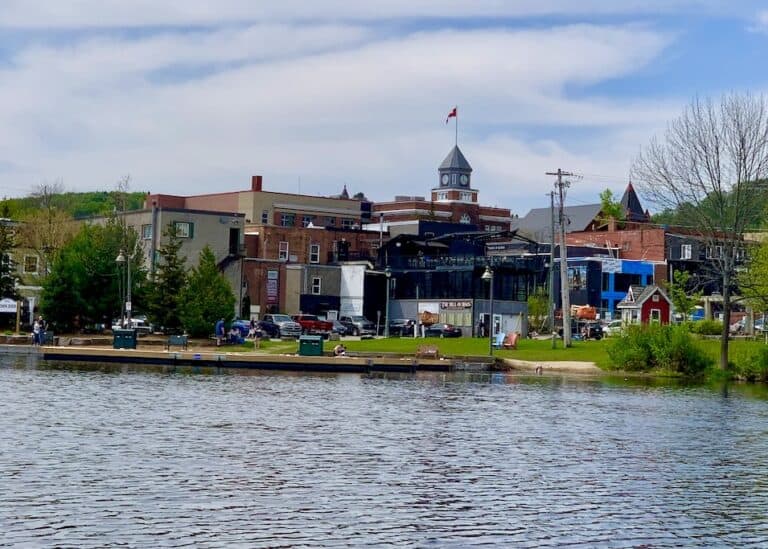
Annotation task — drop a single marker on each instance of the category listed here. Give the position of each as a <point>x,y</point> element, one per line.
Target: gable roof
<point>637,295</point>
<point>455,161</point>
<point>537,223</point>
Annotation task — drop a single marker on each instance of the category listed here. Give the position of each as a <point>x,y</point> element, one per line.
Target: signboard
<point>7,305</point>
<point>462,304</point>
<point>611,265</point>
<point>272,287</point>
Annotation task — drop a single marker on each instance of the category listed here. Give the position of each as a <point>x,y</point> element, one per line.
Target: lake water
<point>94,457</point>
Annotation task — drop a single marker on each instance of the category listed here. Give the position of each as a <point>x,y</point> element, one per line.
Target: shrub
<point>752,364</point>
<point>644,348</point>
<point>707,327</point>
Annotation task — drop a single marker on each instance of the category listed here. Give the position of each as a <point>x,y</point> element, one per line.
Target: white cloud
<point>119,13</point>
<point>199,112</point>
<point>760,22</point>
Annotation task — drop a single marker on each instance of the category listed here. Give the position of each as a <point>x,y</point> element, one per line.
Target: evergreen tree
<point>164,294</point>
<point>207,297</point>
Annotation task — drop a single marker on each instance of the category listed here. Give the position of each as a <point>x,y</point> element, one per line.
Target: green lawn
<point>528,349</point>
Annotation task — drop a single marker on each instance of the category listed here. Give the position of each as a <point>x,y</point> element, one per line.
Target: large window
<point>282,251</point>
<point>316,285</point>
<point>287,220</point>
<point>184,229</point>
<point>30,264</point>
<point>306,220</point>
<point>314,253</point>
<point>347,222</point>
<point>146,232</point>
<point>685,251</point>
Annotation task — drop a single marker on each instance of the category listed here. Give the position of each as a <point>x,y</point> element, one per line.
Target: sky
<point>196,97</point>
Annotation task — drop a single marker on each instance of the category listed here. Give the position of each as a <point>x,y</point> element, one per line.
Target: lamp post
<point>388,274</point>
<point>488,277</point>
<point>125,258</point>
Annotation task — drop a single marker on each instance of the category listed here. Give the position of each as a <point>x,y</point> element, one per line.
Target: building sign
<point>7,305</point>
<point>611,265</point>
<point>577,277</point>
<point>272,287</point>
<point>452,305</point>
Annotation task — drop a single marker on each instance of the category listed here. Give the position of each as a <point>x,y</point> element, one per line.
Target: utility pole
<point>552,270</point>
<point>561,185</point>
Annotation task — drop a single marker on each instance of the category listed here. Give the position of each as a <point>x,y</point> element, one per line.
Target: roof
<point>637,295</point>
<point>633,210</point>
<point>455,161</point>
<point>537,222</point>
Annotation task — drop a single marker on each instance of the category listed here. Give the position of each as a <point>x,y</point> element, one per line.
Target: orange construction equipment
<point>583,312</point>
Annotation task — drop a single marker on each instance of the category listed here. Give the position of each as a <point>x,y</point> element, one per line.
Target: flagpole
<point>457,125</point>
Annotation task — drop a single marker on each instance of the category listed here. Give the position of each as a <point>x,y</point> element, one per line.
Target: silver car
<point>288,326</point>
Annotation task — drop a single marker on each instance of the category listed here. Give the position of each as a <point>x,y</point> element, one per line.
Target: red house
<point>645,305</point>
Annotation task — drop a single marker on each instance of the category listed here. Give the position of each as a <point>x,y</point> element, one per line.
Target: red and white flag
<point>451,114</point>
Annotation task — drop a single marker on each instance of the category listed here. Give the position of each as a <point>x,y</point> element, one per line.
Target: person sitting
<point>234,336</point>
<point>340,350</point>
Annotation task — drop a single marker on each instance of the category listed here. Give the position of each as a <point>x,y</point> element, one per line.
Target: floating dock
<point>260,361</point>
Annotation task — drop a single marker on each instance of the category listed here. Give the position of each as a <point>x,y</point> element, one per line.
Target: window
<point>465,219</point>
<point>314,253</point>
<point>184,229</point>
<point>466,196</point>
<point>714,252</point>
<point>287,220</point>
<point>685,251</point>
<point>347,222</point>
<point>146,232</point>
<point>282,251</point>
<point>265,217</point>
<point>30,264</point>
<point>316,285</point>
<point>330,221</point>
<point>306,220</point>
<point>655,298</point>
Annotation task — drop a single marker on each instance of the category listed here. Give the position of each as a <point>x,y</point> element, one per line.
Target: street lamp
<point>120,259</point>
<point>388,274</point>
<point>488,277</point>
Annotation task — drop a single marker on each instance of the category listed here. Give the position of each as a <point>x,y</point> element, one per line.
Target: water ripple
<point>92,458</point>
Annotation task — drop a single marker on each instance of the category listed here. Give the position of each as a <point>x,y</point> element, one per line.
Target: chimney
<point>256,183</point>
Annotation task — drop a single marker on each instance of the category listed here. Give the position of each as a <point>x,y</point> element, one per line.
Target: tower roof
<point>631,204</point>
<point>455,161</point>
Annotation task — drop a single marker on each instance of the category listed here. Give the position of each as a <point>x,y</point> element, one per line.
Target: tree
<point>46,228</point>
<point>610,208</point>
<point>83,286</point>
<point>206,298</point>
<point>8,276</point>
<point>709,167</point>
<point>678,294</point>
<point>164,295</point>
<point>753,281</point>
<point>538,308</point>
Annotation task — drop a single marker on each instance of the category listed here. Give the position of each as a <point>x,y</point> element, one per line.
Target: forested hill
<point>78,205</point>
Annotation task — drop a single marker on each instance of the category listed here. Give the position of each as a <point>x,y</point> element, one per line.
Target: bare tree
<point>710,166</point>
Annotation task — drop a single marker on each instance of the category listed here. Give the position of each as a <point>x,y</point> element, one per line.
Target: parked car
<point>442,330</point>
<point>358,325</point>
<point>401,327</point>
<point>140,323</point>
<point>612,328</point>
<point>286,326</point>
<point>310,324</point>
<point>339,328</point>
<point>584,330</point>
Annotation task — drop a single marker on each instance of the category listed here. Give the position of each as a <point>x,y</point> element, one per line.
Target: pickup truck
<point>286,327</point>
<point>310,324</point>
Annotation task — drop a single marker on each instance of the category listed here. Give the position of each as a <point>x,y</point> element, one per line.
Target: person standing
<point>219,332</point>
<point>36,332</point>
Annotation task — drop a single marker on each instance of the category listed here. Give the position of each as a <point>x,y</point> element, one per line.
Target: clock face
<point>464,179</point>
<point>445,179</point>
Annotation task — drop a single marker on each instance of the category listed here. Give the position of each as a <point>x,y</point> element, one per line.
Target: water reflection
<point>96,455</point>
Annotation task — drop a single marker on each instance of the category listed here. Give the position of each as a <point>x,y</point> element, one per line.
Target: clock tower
<point>454,180</point>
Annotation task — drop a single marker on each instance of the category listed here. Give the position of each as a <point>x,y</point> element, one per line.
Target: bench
<point>427,351</point>
<point>179,340</point>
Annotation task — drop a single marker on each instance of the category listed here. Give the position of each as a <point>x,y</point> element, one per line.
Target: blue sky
<point>194,97</point>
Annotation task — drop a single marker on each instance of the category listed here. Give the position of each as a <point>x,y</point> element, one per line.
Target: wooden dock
<point>255,361</point>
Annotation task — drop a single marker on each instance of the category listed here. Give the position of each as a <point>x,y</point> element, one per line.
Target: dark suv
<point>401,327</point>
<point>358,325</point>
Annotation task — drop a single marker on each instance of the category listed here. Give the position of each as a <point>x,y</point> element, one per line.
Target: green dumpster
<point>124,339</point>
<point>311,345</point>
